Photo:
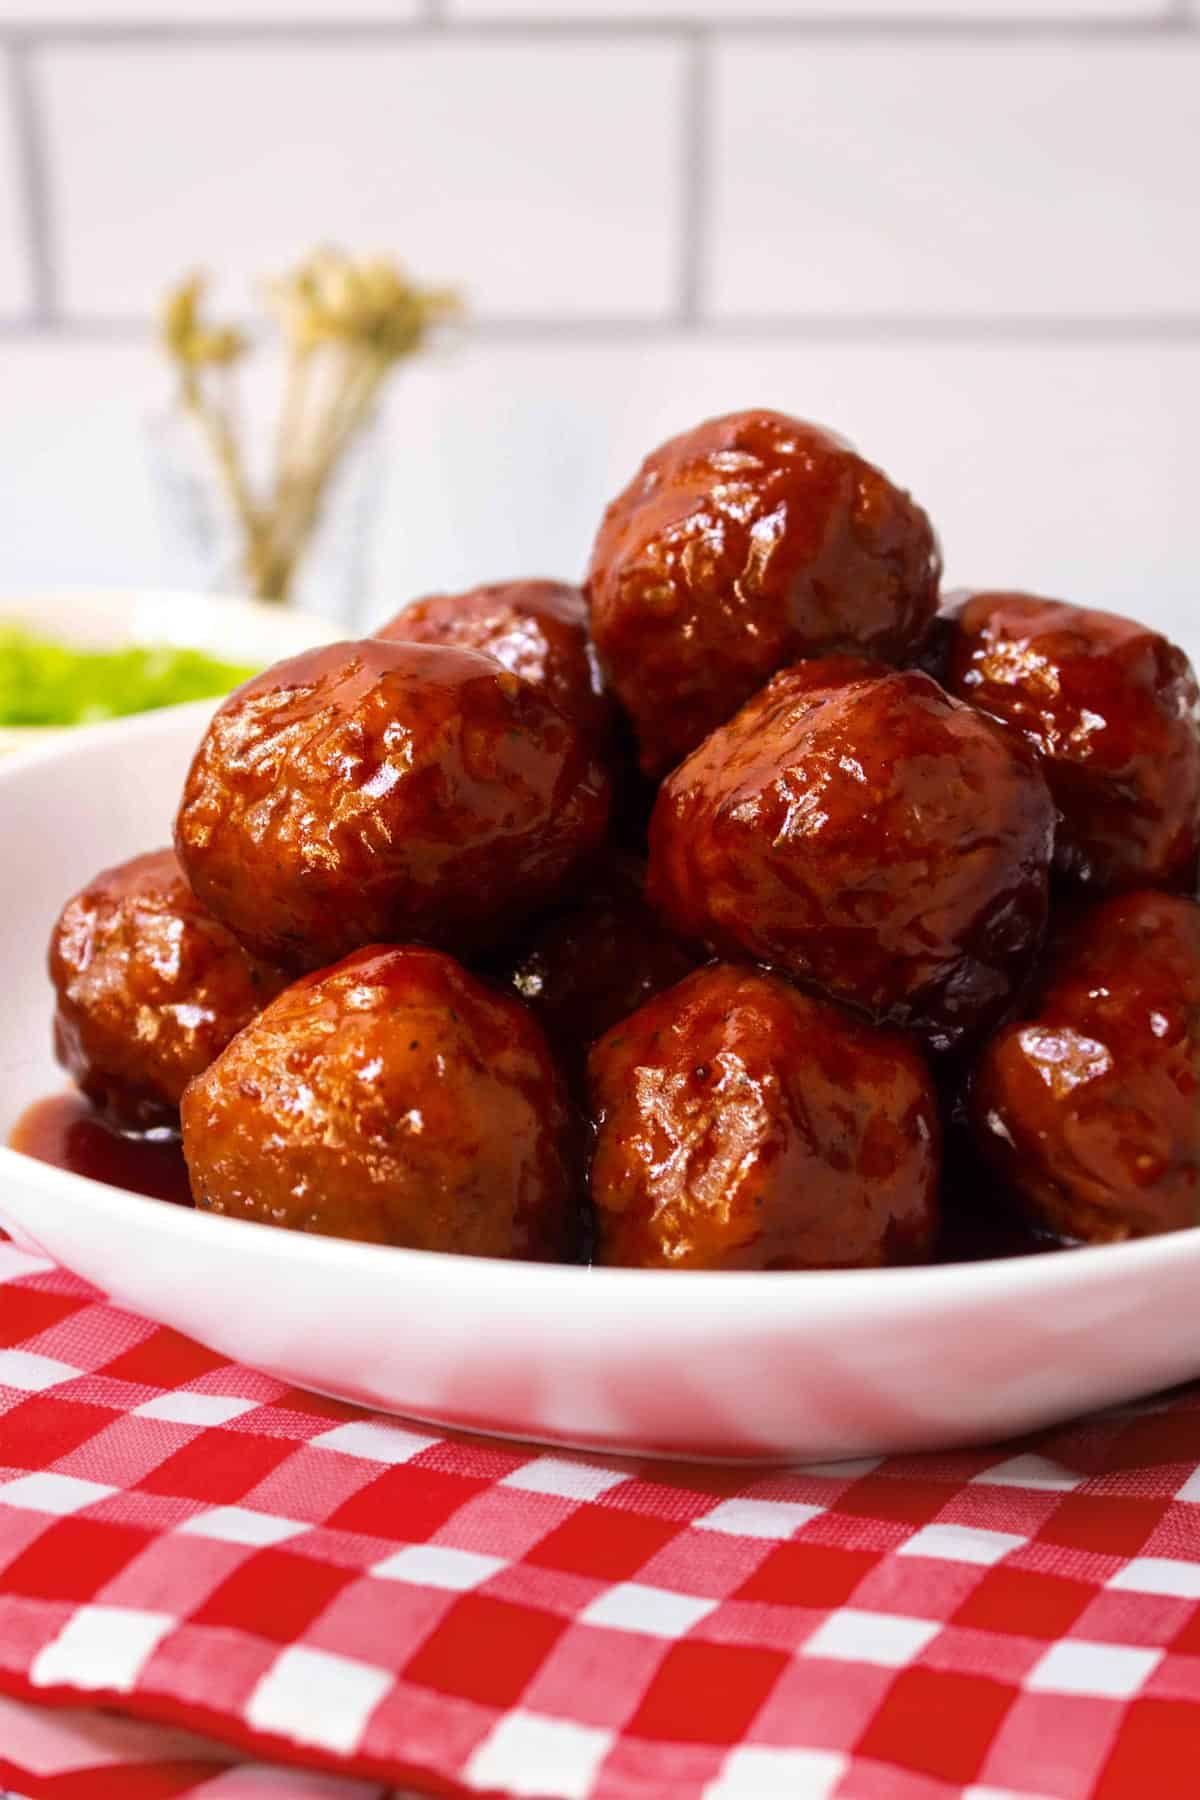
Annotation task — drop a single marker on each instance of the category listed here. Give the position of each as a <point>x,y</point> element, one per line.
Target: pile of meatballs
<point>700,917</point>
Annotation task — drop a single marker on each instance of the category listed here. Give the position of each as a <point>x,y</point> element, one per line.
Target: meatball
<point>591,965</point>
<point>1090,1109</point>
<point>150,988</point>
<point>537,629</point>
<point>394,1099</point>
<point>372,791</point>
<point>868,835</point>
<point>932,654</point>
<point>1115,710</point>
<point>741,546</point>
<point>744,1125</point>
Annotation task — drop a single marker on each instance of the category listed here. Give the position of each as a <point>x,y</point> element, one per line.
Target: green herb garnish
<point>47,683</point>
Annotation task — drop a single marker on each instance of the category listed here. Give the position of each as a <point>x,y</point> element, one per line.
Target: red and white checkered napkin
<point>197,1546</point>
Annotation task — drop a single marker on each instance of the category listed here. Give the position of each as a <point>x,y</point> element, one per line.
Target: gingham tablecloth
<point>210,1582</point>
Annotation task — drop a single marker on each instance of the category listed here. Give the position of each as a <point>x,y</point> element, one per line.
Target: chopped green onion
<point>47,683</point>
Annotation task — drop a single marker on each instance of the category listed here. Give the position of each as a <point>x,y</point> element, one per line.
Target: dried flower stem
<point>214,422</point>
<point>346,325</point>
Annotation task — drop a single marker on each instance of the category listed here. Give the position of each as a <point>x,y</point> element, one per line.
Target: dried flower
<point>188,339</point>
<point>359,318</point>
<point>371,304</point>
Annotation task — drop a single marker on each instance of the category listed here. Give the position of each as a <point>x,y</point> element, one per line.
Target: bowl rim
<point>297,631</point>
<point>15,602</point>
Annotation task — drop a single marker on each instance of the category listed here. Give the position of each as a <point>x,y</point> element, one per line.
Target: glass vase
<point>206,544</point>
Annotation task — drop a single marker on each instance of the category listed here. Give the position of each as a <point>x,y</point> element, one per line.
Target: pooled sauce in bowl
<point>64,1131</point>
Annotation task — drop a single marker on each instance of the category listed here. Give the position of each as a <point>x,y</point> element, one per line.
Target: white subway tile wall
<point>963,232</point>
<point>77,505</point>
<point>14,262</point>
<point>507,165</point>
<point>950,181</point>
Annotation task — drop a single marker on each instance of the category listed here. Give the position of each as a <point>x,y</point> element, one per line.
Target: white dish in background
<point>238,631</point>
<point>752,1366</point>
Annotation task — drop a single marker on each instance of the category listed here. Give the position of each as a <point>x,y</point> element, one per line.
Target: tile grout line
<point>1177,19</point>
<point>33,180</point>
<point>878,330</point>
<point>695,177</point>
<point>866,328</point>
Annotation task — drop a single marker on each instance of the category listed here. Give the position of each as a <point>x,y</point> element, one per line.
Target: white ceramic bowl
<point>778,1366</point>
<point>238,631</point>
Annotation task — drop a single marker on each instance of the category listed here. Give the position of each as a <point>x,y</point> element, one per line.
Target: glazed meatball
<point>868,835</point>
<point>588,966</point>
<point>1090,1109</point>
<point>741,546</point>
<point>537,629</point>
<point>394,1099</point>
<point>149,989</point>
<point>1115,710</point>
<point>376,791</point>
<point>932,654</point>
<point>744,1125</point>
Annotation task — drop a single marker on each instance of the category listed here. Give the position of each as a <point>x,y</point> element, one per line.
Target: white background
<point>965,234</point>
